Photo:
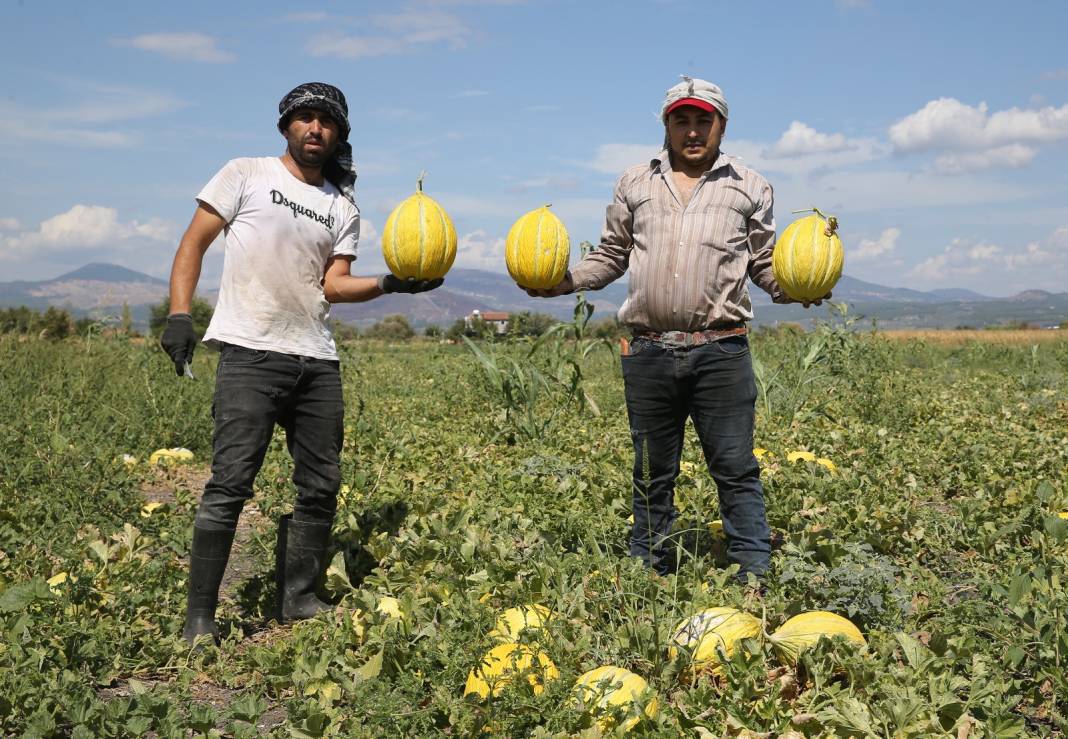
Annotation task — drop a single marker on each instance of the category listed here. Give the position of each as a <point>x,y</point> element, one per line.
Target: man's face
<point>312,137</point>
<point>695,134</point>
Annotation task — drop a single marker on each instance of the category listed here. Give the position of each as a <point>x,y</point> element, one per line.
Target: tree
<point>200,310</point>
<point>526,323</point>
<point>457,330</point>
<point>394,326</point>
<point>343,331</point>
<point>54,323</point>
<point>433,331</point>
<point>127,319</point>
<point>608,328</point>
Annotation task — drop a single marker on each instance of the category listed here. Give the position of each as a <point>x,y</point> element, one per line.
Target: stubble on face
<point>311,139</point>
<point>695,136</point>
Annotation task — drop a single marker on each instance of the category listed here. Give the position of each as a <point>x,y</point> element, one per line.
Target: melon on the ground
<point>501,665</point>
<point>806,629</point>
<point>603,689</point>
<point>711,631</point>
<point>512,622</point>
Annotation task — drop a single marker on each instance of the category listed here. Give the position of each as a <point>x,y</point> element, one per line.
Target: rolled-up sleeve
<point>761,245</point>
<point>610,259</point>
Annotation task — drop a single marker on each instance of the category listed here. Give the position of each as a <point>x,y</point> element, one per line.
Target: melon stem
<point>419,182</point>
<point>832,221</point>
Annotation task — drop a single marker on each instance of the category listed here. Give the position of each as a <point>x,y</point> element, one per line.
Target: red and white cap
<point>698,93</point>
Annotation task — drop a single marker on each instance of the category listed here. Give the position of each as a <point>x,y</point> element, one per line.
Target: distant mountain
<point>101,289</point>
<point>95,289</point>
<point>100,272</point>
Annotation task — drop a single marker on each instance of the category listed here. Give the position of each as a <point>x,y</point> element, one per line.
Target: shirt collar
<point>662,162</point>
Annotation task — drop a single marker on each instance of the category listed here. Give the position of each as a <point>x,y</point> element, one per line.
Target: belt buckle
<point>673,339</point>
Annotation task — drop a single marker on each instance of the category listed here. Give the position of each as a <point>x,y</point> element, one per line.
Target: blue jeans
<point>254,390</point>
<point>712,384</point>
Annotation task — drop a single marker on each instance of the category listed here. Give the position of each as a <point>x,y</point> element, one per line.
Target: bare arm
<point>340,286</point>
<point>206,225</point>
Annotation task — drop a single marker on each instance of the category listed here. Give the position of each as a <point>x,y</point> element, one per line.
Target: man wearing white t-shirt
<point>292,227</point>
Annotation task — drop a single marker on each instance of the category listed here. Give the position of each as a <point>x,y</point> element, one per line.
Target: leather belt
<point>692,338</point>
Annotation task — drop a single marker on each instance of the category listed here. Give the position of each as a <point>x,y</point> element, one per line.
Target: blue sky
<point>936,131</point>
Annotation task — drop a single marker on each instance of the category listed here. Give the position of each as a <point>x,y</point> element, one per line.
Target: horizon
<point>202,287</point>
<point>951,180</point>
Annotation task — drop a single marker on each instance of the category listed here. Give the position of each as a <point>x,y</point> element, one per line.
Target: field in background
<point>474,482</point>
<point>992,336</point>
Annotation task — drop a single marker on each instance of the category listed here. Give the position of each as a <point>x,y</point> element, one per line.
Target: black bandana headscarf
<point>340,171</point>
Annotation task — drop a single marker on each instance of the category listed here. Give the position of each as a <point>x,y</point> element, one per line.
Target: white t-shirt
<point>280,232</point>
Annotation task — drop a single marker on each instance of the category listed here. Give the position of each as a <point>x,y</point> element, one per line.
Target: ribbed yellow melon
<point>419,240</point>
<point>175,455</point>
<point>514,621</point>
<point>502,663</point>
<point>807,260</point>
<point>601,690</point>
<point>806,629</point>
<point>705,633</point>
<point>537,249</point>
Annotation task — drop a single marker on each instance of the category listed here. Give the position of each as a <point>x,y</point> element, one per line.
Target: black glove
<point>179,340</point>
<point>391,284</point>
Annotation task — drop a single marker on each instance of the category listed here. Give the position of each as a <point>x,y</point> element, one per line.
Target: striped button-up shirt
<point>688,261</point>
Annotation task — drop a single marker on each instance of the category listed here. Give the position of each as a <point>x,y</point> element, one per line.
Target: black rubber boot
<point>300,561</point>
<point>207,563</point>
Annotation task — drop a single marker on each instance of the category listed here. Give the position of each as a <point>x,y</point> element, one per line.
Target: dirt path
<point>163,487</point>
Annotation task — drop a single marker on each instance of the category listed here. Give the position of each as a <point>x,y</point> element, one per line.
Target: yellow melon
<point>502,663</point>
<point>514,621</point>
<point>419,240</point>
<point>600,691</point>
<point>175,455</point>
<point>806,629</point>
<point>712,630</point>
<point>807,260</point>
<point>537,249</point>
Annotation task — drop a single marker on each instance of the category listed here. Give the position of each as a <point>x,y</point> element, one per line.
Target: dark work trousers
<point>712,384</point>
<point>254,390</point>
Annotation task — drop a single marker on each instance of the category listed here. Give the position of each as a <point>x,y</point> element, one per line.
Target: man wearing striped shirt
<point>691,226</point>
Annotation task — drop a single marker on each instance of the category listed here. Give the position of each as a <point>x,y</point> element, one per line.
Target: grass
<point>937,535</point>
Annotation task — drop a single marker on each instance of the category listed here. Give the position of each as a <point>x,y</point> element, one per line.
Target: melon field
<point>481,477</point>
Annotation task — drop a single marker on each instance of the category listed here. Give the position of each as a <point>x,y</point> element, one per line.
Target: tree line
<point>58,323</point>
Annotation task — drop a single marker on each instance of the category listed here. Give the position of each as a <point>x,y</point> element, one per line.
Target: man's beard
<point>310,159</point>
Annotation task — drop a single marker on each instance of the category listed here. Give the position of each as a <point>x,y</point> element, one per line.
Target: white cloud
<point>853,4</point>
<point>549,183</point>
<point>9,224</point>
<point>881,247</point>
<point>472,93</point>
<point>395,33</point>
<point>614,158</point>
<point>80,123</point>
<point>479,250</point>
<point>84,226</point>
<point>192,47</point>
<point>1056,74</point>
<point>542,108</point>
<point>1043,262</point>
<point>368,232</point>
<point>306,17</point>
<point>353,47</point>
<point>1013,156</point>
<point>801,140</point>
<point>947,123</point>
